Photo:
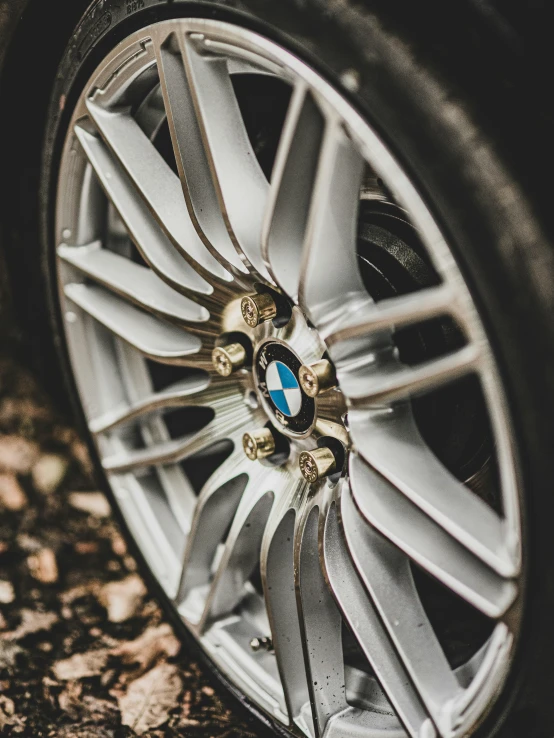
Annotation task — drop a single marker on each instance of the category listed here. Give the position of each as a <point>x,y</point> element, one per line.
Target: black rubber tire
<point>438,82</point>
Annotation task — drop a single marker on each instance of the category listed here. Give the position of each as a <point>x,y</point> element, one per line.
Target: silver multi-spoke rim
<point>333,554</point>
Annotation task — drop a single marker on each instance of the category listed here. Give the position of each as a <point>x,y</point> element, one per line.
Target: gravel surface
<point>85,652</point>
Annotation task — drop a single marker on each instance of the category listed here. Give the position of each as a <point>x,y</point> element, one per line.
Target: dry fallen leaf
<point>119,547</point>
<point>17,455</point>
<point>7,713</point>
<point>31,622</point>
<point>130,563</point>
<point>84,709</point>
<point>80,665</point>
<point>7,594</point>
<point>93,503</point>
<point>149,700</point>
<point>63,434</point>
<point>27,542</point>
<point>69,698</point>
<point>186,702</point>
<point>82,731</point>
<point>16,408</point>
<point>12,496</point>
<point>146,650</point>
<point>43,566</point>
<point>80,590</point>
<point>8,654</point>
<point>122,599</point>
<point>48,472</point>
<point>186,722</point>
<point>98,710</point>
<point>86,547</point>
<point>80,453</point>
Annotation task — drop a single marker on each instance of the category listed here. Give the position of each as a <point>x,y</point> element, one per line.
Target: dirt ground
<point>85,651</point>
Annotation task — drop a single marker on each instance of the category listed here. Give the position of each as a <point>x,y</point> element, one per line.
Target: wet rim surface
<point>156,251</point>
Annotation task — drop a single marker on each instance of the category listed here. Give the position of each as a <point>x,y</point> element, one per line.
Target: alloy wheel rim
<point>267,570</point>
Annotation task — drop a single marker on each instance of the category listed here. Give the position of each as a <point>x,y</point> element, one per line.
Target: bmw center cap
<point>277,369</point>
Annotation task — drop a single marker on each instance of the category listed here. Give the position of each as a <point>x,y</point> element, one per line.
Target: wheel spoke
<point>137,284</point>
<point>277,569</point>
<point>331,228</point>
<point>159,535</point>
<point>241,553</point>
<point>387,576</point>
<point>292,184</point>
<point>151,241</point>
<point>158,186</point>
<point>370,384</point>
<point>217,505</point>
<point>393,446</point>
<point>240,184</point>
<point>322,628</point>
<point>154,339</point>
<point>427,543</point>
<point>192,163</point>
<point>232,415</point>
<point>190,392</point>
<point>368,630</point>
<point>362,317</point>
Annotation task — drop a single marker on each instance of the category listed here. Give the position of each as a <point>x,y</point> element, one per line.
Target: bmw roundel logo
<point>276,369</point>
<point>284,390</point>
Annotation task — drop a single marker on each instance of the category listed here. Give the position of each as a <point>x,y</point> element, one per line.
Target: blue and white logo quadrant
<point>283,388</point>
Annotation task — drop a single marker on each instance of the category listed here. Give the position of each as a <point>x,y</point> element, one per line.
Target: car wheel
<point>293,281</point>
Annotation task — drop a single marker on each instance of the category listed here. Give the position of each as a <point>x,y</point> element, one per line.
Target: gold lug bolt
<point>261,643</point>
<point>259,444</point>
<point>227,359</point>
<point>317,464</point>
<point>257,309</point>
<point>317,378</point>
